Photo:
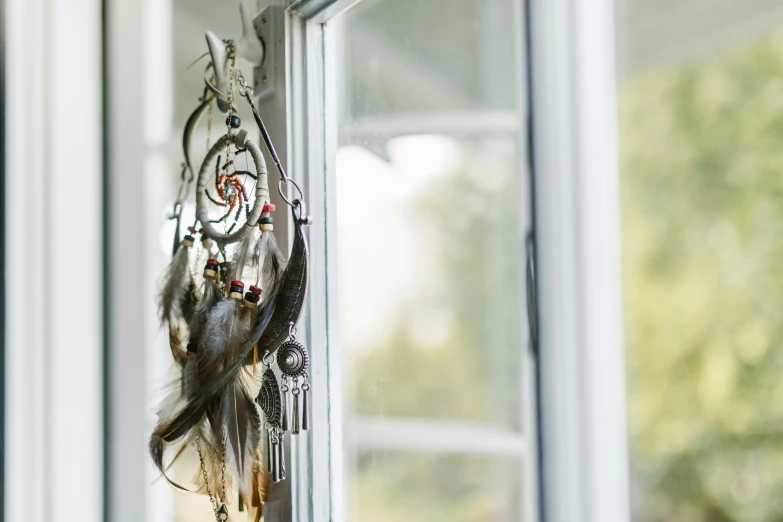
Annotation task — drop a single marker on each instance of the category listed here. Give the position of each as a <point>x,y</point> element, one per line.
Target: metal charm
<point>269,399</point>
<point>296,423</point>
<point>284,422</point>
<point>291,298</point>
<point>275,456</point>
<point>292,358</point>
<point>305,406</point>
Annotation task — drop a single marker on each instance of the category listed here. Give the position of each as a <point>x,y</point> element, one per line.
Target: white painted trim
<point>457,122</point>
<point>54,257</point>
<point>432,435</point>
<point>128,301</point>
<point>578,253</point>
<point>315,85</point>
<point>320,11</point>
<point>318,487</point>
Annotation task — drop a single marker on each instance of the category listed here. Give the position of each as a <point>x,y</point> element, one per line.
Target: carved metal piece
<point>269,451</point>
<point>284,423</point>
<point>292,358</point>
<point>269,398</point>
<point>293,292</point>
<point>295,423</point>
<point>306,406</point>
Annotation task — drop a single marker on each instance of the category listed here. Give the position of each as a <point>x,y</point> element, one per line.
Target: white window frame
<point>311,86</point>
<point>577,213</point>
<point>54,255</point>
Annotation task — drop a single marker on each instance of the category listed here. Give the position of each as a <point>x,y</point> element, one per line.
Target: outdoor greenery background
<point>702,200</point>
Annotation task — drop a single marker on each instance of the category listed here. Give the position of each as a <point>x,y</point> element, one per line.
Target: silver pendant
<point>269,399</point>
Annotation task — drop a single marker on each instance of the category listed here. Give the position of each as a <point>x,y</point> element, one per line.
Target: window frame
<point>312,80</point>
<point>571,145</point>
<point>53,232</point>
<point>573,133</point>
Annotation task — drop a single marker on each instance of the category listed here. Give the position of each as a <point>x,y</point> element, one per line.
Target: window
<point>408,123</point>
<point>432,209</point>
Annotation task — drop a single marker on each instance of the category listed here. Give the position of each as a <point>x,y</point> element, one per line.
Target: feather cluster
<point>214,340</point>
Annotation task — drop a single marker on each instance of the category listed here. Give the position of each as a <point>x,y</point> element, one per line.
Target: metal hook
<point>249,47</point>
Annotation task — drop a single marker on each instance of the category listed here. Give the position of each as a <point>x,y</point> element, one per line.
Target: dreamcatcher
<point>231,306</point>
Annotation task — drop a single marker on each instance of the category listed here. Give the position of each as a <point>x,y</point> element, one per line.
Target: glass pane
<point>701,127</point>
<point>437,55</point>
<point>427,487</point>
<point>432,211</point>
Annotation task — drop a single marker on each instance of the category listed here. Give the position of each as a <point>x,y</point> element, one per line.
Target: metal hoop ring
<point>264,361</point>
<point>282,192</point>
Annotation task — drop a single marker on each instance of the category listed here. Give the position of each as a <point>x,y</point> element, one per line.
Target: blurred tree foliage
<point>702,193</point>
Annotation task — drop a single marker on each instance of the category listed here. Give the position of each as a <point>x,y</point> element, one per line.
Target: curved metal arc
<point>190,130</point>
<point>293,293</point>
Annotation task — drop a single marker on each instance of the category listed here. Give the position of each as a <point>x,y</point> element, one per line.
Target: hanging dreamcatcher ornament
<point>231,306</point>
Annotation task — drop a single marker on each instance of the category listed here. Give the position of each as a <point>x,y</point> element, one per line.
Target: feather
<point>269,260</point>
<point>242,252</point>
<point>174,284</point>
<point>211,296</point>
<point>221,326</point>
<point>209,299</point>
<point>157,445</point>
<point>243,430</point>
<point>175,343</point>
<point>190,300</point>
<point>259,489</point>
<point>180,423</point>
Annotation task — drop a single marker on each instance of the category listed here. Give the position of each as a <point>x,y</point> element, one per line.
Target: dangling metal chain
<point>212,498</point>
<point>206,480</point>
<point>223,472</point>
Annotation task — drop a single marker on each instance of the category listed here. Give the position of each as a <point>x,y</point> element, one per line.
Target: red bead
<point>255,290</point>
<point>192,229</point>
<point>268,207</point>
<point>212,262</point>
<point>240,284</point>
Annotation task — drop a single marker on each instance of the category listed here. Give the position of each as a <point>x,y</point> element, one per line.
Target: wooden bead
<point>210,270</point>
<point>235,290</point>
<point>267,228</point>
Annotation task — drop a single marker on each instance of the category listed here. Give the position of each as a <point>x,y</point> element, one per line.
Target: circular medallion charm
<point>292,359</point>
<point>269,398</point>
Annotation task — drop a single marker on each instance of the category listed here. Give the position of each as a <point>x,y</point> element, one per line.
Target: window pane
<point>700,114</point>
<point>425,487</point>
<point>432,212</point>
